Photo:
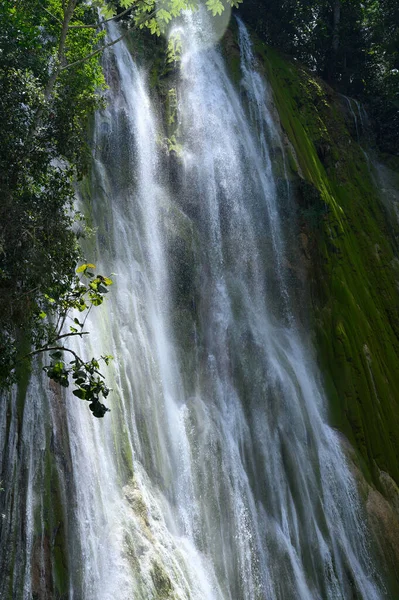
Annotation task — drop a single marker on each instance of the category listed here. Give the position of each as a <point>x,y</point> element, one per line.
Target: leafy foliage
<point>354,44</point>
<point>43,151</point>
<point>48,335</point>
<point>215,6</point>
<point>87,290</point>
<point>88,380</point>
<point>157,15</point>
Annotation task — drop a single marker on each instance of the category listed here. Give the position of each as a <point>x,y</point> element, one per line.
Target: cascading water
<point>215,476</point>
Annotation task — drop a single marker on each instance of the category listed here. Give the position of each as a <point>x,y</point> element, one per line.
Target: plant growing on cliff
<point>87,290</point>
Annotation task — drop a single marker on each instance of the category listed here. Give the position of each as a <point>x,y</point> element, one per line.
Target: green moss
<point>354,275</point>
<point>53,521</point>
<point>124,456</point>
<point>161,581</point>
<point>171,104</point>
<point>231,53</point>
<point>22,372</point>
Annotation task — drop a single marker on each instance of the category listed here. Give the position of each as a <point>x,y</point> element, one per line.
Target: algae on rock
<point>354,273</point>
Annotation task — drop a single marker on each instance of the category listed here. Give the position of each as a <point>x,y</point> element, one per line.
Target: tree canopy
<point>353,44</point>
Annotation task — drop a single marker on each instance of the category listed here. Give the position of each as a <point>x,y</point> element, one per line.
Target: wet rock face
<point>381,512</point>
<point>347,252</point>
<point>383,521</point>
<point>42,584</point>
<point>162,582</point>
<point>350,258</point>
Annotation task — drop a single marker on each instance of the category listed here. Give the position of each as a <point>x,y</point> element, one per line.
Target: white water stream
<point>215,476</point>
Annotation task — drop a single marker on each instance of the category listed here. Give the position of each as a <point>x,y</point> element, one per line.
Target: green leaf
<point>42,315</point>
<point>107,358</point>
<point>164,15</point>
<point>215,6</point>
<point>98,409</point>
<point>96,300</point>
<point>108,11</point>
<point>84,267</point>
<point>81,269</point>
<point>79,393</point>
<point>153,27</point>
<point>79,374</point>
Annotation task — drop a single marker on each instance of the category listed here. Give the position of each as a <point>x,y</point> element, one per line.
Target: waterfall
<point>215,475</point>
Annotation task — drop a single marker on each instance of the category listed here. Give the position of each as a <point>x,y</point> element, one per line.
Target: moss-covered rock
<point>354,273</point>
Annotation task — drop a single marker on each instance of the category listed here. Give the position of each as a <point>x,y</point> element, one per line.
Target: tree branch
<point>51,14</point>
<point>64,335</point>
<point>61,325</point>
<point>100,23</point>
<point>78,62</point>
<point>50,348</point>
<point>68,12</point>
<point>87,314</point>
<point>62,349</point>
<point>99,50</point>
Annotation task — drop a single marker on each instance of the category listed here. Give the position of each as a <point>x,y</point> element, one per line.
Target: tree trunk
<point>68,14</point>
<point>332,52</point>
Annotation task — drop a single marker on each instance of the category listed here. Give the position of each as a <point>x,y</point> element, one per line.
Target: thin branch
<point>87,314</point>
<point>51,14</point>
<point>62,349</point>
<point>64,335</point>
<point>99,50</point>
<point>30,291</point>
<point>78,62</point>
<point>100,23</point>
<point>68,13</point>
<point>50,348</point>
<point>61,325</point>
<point>57,328</point>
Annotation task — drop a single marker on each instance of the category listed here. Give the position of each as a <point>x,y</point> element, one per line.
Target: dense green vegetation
<point>43,130</point>
<point>352,44</point>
